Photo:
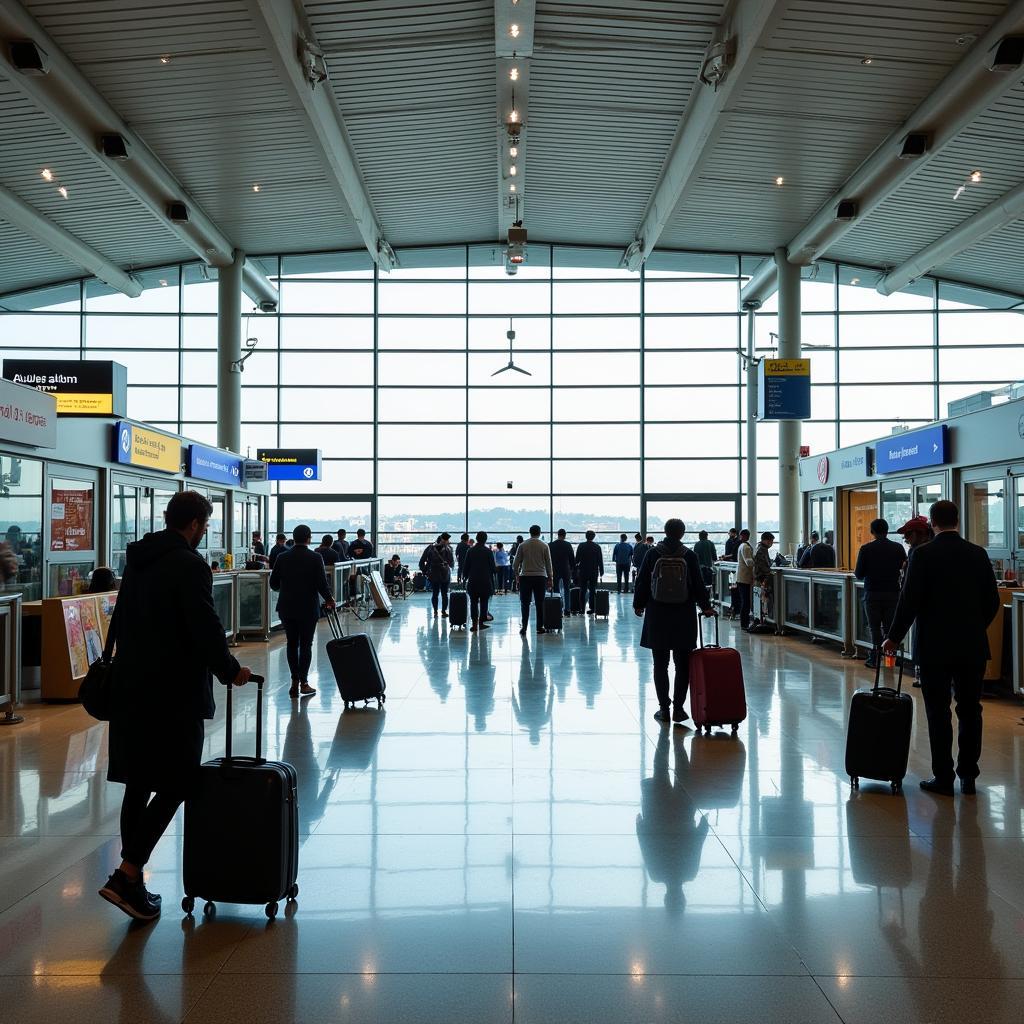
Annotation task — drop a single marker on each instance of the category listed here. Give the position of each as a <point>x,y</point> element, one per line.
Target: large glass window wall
<point>633,383</point>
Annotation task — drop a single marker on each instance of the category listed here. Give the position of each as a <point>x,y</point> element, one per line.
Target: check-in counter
<point>1017,628</point>
<point>10,657</point>
<point>225,600</point>
<point>817,602</point>
<point>255,604</point>
<point>724,576</point>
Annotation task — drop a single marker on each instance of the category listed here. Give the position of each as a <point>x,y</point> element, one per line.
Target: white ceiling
<point>415,85</point>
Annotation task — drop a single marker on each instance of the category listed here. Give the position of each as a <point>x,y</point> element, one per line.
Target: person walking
<point>479,575</point>
<point>168,642</point>
<point>461,550</point>
<point>532,566</point>
<point>563,562</point>
<point>732,544</point>
<point>706,554</point>
<point>504,567</point>
<point>278,549</point>
<point>744,577</point>
<point>589,567</point>
<point>950,593</point>
<point>301,582</point>
<point>880,566</point>
<point>327,552</point>
<point>341,546</point>
<point>512,556</point>
<point>640,550</point>
<point>669,590</point>
<point>361,547</point>
<point>622,556</point>
<point>437,564</point>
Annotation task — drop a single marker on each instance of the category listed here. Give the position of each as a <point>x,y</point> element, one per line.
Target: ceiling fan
<point>511,335</point>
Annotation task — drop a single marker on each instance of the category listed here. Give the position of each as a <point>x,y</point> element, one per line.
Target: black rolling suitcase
<point>354,661</point>
<point>242,828</point>
<point>602,603</point>
<point>458,609</point>
<point>575,601</point>
<point>878,736</point>
<point>552,613</point>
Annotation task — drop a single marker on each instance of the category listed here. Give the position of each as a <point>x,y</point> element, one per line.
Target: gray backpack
<point>670,580</point>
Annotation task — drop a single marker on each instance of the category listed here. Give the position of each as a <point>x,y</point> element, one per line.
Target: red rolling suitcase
<point>242,828</point>
<point>717,695</point>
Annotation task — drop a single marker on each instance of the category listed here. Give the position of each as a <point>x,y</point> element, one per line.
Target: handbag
<point>97,690</point>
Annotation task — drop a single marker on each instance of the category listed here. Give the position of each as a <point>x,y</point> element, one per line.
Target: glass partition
<point>985,509</point>
<point>21,517</point>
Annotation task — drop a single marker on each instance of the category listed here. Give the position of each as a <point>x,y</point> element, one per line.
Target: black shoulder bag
<point>97,690</point>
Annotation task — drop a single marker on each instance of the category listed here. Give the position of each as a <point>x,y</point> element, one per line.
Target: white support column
<point>789,430</point>
<point>751,523</point>
<point>229,350</point>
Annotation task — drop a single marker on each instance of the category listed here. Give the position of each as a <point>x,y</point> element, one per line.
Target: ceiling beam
<point>513,48</point>
<point>965,93</point>
<point>301,63</point>
<point>1005,210</point>
<point>70,99</point>
<point>29,220</point>
<point>744,29</point>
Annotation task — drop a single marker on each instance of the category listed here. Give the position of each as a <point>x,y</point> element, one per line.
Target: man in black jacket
<point>461,550</point>
<point>169,640</point>
<point>563,561</point>
<point>341,546</point>
<point>817,555</point>
<point>361,547</point>
<point>732,545</point>
<point>301,581</point>
<point>950,592</point>
<point>879,565</point>
<point>589,566</point>
<point>279,548</point>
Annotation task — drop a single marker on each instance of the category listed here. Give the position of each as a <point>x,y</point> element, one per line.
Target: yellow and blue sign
<point>291,463</point>
<point>145,448</point>
<point>784,389</point>
<point>215,465</point>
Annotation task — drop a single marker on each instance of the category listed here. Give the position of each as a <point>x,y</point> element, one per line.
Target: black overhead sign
<point>82,388</point>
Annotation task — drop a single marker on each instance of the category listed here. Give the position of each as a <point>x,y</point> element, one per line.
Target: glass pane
<point>897,506</point>
<point>326,516</point>
<point>985,513</point>
<point>21,516</point>
<point>717,517</point>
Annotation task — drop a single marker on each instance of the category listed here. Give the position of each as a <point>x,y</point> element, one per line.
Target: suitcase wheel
<point>293,892</point>
<point>272,910</point>
<point>188,904</point>
<point>854,782</point>
<point>210,910</point>
<point>897,785</point>
<point>735,728</point>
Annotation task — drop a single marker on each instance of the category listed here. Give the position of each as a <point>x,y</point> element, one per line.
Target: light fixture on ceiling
<point>513,151</point>
<point>780,181</point>
<point>46,174</point>
<point>165,58</point>
<point>514,74</point>
<point>163,282</point>
<point>867,60</point>
<point>512,170</point>
<point>63,190</point>
<point>854,280</point>
<point>512,187</point>
<point>513,30</point>
<point>1009,55</point>
<point>256,187</point>
<point>975,176</point>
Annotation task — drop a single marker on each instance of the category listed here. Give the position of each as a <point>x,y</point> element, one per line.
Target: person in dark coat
<point>880,566</point>
<point>950,592</point>
<point>301,581</point>
<point>168,642</point>
<point>461,550</point>
<point>732,545</point>
<point>817,555</point>
<point>341,546</point>
<point>589,567</point>
<point>563,562</point>
<point>257,543</point>
<point>436,564</point>
<point>478,570</point>
<point>670,630</point>
<point>327,552</point>
<point>279,548</point>
<point>361,547</point>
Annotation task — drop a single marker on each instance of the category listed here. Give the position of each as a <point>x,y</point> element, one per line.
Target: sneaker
<point>541,630</point>
<point>663,715</point>
<point>131,897</point>
<point>483,625</point>
<point>444,615</point>
<point>679,715</point>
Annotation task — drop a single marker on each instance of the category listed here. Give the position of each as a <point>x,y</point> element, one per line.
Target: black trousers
<point>681,660</point>
<point>478,605</point>
<point>532,588</point>
<point>299,635</point>
<point>744,590</point>
<point>879,610</point>
<point>563,584</point>
<point>144,821</point>
<point>621,578</point>
<point>439,589</point>
<point>588,590</point>
<point>964,679</point>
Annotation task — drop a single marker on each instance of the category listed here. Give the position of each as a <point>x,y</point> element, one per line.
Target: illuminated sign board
<point>27,416</point>
<point>784,389</point>
<point>291,463</point>
<point>214,464</point>
<point>146,448</point>
<point>82,388</point>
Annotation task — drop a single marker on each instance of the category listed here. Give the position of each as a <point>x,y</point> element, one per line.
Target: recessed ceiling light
<point>854,280</point>
<point>867,60</point>
<point>512,170</point>
<point>513,116</point>
<point>256,187</point>
<point>165,58</point>
<point>63,190</point>
<point>512,188</point>
<point>975,176</point>
<point>210,251</point>
<point>513,31</point>
<point>780,180</point>
<point>513,151</point>
<point>47,174</point>
<point>163,282</point>
<point>514,74</point>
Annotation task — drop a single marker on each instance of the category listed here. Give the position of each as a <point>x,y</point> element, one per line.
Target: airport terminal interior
<point>434,267</point>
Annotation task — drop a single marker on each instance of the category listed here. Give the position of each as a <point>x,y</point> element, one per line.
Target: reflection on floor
<point>518,834</point>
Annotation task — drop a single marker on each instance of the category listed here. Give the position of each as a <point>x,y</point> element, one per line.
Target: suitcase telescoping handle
<point>877,651</point>
<point>334,621</point>
<point>258,680</point>
<point>700,629</point>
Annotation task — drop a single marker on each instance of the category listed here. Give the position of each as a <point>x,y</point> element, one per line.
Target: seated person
<point>102,579</point>
<point>395,574</point>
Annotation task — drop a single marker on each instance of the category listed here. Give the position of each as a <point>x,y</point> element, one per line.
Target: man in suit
<point>279,548</point>
<point>950,592</point>
<point>622,556</point>
<point>562,562</point>
<point>589,566</point>
<point>880,565</point>
<point>301,582</point>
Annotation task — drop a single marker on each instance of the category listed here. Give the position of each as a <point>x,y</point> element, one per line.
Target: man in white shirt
<point>745,576</point>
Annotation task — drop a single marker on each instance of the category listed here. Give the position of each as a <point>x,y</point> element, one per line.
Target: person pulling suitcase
<point>669,590</point>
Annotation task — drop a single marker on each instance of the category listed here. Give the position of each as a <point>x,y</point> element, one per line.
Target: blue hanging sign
<point>784,389</point>
<point>913,450</point>
<point>215,465</point>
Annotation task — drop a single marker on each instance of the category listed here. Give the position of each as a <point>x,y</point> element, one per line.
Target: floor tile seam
<point>825,996</point>
<point>50,878</point>
<point>198,999</point>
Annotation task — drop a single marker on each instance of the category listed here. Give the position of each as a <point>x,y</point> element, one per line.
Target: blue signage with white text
<point>215,465</point>
<point>913,450</point>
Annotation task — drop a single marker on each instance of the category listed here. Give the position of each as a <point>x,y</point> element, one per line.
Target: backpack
<point>670,580</point>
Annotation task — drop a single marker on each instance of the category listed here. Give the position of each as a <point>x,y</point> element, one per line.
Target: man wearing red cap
<point>950,592</point>
<point>916,531</point>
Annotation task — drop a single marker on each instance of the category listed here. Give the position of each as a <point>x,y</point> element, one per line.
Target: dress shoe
<point>967,787</point>
<point>301,690</point>
<point>663,715</point>
<point>679,715</point>
<point>541,631</point>
<point>937,786</point>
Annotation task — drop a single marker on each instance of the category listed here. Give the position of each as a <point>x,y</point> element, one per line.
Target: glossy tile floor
<point>518,839</point>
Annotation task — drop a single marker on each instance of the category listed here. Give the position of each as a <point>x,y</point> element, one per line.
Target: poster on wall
<point>75,633</point>
<point>71,519</point>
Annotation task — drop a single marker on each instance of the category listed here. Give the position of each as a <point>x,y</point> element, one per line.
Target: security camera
<point>509,485</point>
<point>267,305</point>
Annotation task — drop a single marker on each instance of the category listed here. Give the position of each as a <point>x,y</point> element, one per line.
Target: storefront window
<point>927,495</point>
<point>21,519</point>
<point>69,578</point>
<point>985,500</point>
<point>123,523</point>
<point>215,537</point>
<point>897,506</point>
